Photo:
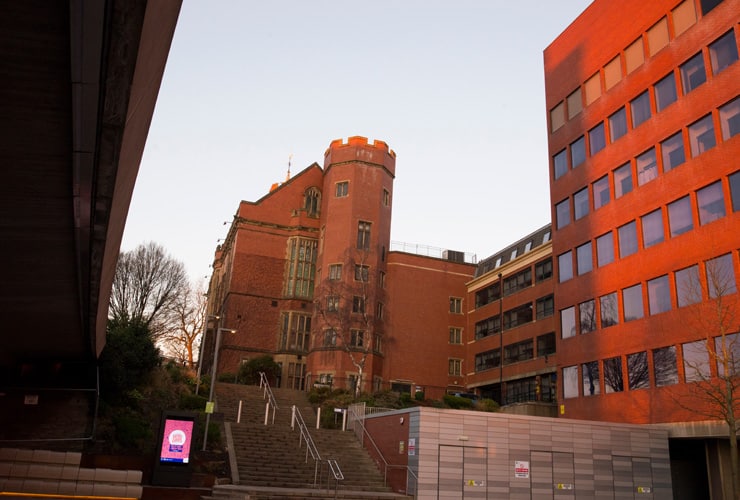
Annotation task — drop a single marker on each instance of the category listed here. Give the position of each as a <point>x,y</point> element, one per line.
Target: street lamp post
<point>200,350</point>
<point>213,380</point>
<point>501,337</point>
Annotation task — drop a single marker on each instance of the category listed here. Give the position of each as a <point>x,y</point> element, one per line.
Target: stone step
<point>233,492</point>
<point>274,456</point>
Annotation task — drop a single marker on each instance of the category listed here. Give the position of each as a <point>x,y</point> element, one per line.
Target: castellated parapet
<point>357,149</point>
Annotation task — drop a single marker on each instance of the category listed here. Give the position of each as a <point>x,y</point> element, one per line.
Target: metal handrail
<point>271,402</point>
<point>357,419</point>
<point>336,472</point>
<point>305,436</point>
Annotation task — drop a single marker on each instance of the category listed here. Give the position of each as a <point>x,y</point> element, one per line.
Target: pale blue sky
<point>455,88</point>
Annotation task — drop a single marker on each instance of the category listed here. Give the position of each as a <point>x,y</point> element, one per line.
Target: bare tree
<point>186,319</point>
<point>713,361</point>
<point>350,312</point>
<point>146,285</point>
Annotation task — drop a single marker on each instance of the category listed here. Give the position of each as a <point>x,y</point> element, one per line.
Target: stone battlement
<point>358,140</point>
<point>357,148</point>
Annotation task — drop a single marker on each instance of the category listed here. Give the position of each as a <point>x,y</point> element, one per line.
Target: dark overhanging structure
<point>79,84</point>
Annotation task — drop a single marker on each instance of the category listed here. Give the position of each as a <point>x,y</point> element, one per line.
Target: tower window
<point>363,235</point>
<point>342,189</point>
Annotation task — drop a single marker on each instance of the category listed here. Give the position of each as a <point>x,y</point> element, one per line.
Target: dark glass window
<point>627,239</point>
<point>679,216</point>
<point>729,119</point>
<point>487,295</point>
<point>672,150</point>
<point>546,344</point>
<point>622,180</point>
<point>720,276</point>
<point>659,295</point>
<point>613,380</point>
<point>701,136</point>
<point>640,107</point>
<point>488,326</point>
<point>487,360</point>
<point>711,203</point>
<point>560,164</point>
<point>735,191</point>
<point>596,139</point>
<point>688,287</point>
<point>581,203</point>
<point>638,373</point>
<point>632,299</point>
<point>695,361</point>
<point>565,266</point>
<point>518,316</point>
<point>692,73</point>
<point>570,382</point>
<point>652,228</point>
<point>578,152</point>
<point>609,310</point>
<point>545,307</point>
<point>728,354</point>
<point>665,92</point>
<point>723,52</point>
<point>647,167</point>
<point>664,366</point>
<point>543,270</point>
<point>601,192</point>
<point>617,125</point>
<point>591,384</point>
<point>707,5</point>
<point>584,258</point>
<point>521,351</point>
<point>587,313</point>
<point>605,249</point>
<point>568,322</point>
<point>519,281</point>
<point>562,213</point>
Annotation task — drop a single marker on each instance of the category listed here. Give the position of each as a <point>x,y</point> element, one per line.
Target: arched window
<point>312,202</point>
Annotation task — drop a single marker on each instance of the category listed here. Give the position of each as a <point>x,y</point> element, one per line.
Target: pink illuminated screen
<point>176,441</point>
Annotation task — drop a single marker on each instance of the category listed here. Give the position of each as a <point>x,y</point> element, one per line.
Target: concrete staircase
<point>271,459</point>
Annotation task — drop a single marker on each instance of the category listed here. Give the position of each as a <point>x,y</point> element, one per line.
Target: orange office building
<point>644,142</point>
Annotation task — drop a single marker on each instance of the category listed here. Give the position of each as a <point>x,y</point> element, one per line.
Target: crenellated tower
<point>351,310</point>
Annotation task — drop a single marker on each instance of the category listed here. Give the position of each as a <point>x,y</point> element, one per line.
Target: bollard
<point>318,417</point>
<point>267,412</point>
<point>239,413</point>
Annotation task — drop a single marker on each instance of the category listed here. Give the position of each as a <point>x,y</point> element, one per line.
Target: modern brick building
<point>644,117</point>
<point>526,370</point>
<point>306,274</point>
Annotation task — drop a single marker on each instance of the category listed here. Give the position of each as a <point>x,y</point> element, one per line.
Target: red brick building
<point>306,274</point>
<point>644,117</point>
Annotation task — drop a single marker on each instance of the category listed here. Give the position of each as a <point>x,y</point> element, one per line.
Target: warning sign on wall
<point>521,469</point>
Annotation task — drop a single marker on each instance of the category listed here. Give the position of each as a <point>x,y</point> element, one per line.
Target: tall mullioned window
<point>301,268</point>
<point>295,330</point>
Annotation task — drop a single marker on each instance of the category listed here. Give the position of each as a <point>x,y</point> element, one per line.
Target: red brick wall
<point>417,348</point>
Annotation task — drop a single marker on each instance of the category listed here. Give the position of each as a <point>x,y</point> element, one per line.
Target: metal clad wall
<point>567,459</point>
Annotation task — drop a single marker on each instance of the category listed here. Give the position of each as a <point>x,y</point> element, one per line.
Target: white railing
<point>305,437</point>
<point>267,393</point>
